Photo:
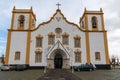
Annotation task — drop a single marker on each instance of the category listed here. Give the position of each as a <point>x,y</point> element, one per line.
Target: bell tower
<point>92,20</point>
<point>23,19</point>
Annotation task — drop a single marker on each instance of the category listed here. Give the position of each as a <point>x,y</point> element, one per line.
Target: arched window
<point>21,20</point>
<point>94,22</point>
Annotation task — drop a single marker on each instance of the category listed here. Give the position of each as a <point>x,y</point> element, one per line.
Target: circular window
<point>58,30</point>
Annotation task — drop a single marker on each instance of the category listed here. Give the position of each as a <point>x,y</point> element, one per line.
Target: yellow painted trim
<point>51,34</point>
<point>102,21</point>
<point>12,20</point>
<point>18,23</point>
<point>99,56</point>
<point>106,48</point>
<point>24,11</point>
<point>41,38</point>
<point>74,25</point>
<point>65,35</point>
<point>16,54</point>
<point>32,30</point>
<point>77,38</point>
<point>8,47</point>
<point>78,52</point>
<point>94,29</point>
<point>91,13</point>
<point>28,40</point>
<point>40,56</point>
<point>87,41</point>
<point>75,42</point>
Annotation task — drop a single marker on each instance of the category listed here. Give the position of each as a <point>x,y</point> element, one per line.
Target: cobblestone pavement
<point>99,75</point>
<point>59,74</point>
<point>21,75</point>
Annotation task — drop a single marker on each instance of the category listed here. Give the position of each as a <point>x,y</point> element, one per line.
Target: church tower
<point>92,22</point>
<point>23,20</point>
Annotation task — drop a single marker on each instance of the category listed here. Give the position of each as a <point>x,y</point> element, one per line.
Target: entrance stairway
<point>58,74</point>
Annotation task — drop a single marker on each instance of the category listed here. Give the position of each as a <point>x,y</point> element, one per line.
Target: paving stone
<point>59,74</point>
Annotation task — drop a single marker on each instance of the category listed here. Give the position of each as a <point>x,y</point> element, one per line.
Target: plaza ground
<point>99,75</point>
<point>83,75</point>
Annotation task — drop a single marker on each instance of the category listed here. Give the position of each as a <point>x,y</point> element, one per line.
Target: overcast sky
<point>72,10</point>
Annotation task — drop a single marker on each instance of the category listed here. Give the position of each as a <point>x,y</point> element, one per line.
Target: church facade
<point>57,43</point>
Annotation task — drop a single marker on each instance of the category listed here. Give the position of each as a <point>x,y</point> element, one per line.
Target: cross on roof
<point>58,5</point>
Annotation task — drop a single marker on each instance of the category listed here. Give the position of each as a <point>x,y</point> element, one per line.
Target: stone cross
<point>58,5</point>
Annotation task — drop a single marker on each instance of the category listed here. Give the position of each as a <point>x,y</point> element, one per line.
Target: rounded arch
<point>21,20</point>
<point>94,22</point>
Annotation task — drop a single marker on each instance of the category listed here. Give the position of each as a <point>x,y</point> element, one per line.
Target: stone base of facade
<point>65,65</point>
<point>36,67</point>
<point>100,66</point>
<point>103,66</point>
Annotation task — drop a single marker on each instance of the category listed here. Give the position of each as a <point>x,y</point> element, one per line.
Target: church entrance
<point>58,61</point>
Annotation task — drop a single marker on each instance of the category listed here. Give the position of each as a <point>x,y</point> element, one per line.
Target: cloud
<point>2,50</point>
<point>2,40</point>
<point>73,10</point>
<point>114,42</point>
<point>112,14</point>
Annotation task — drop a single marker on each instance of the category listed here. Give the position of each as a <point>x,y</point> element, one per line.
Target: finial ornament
<point>58,4</point>
<point>14,8</point>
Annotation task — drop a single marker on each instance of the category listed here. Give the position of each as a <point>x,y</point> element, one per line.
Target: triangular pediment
<point>58,45</point>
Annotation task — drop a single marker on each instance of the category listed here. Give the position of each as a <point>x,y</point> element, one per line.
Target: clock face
<point>58,30</point>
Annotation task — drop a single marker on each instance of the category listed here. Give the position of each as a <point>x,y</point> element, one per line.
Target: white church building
<point>57,43</point>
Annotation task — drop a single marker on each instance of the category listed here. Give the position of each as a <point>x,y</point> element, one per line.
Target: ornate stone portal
<point>58,59</point>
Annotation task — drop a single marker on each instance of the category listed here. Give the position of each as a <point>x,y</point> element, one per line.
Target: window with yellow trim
<point>77,42</point>
<point>97,55</point>
<point>38,57</point>
<point>78,57</point>
<point>17,55</point>
<point>21,21</point>
<point>94,22</point>
<point>51,40</point>
<point>65,40</point>
<point>39,42</point>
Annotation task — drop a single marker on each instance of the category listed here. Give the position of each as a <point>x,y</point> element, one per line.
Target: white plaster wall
<point>99,21</point>
<point>19,40</point>
<point>45,29</point>
<point>18,43</point>
<point>26,25</point>
<point>97,45</point>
